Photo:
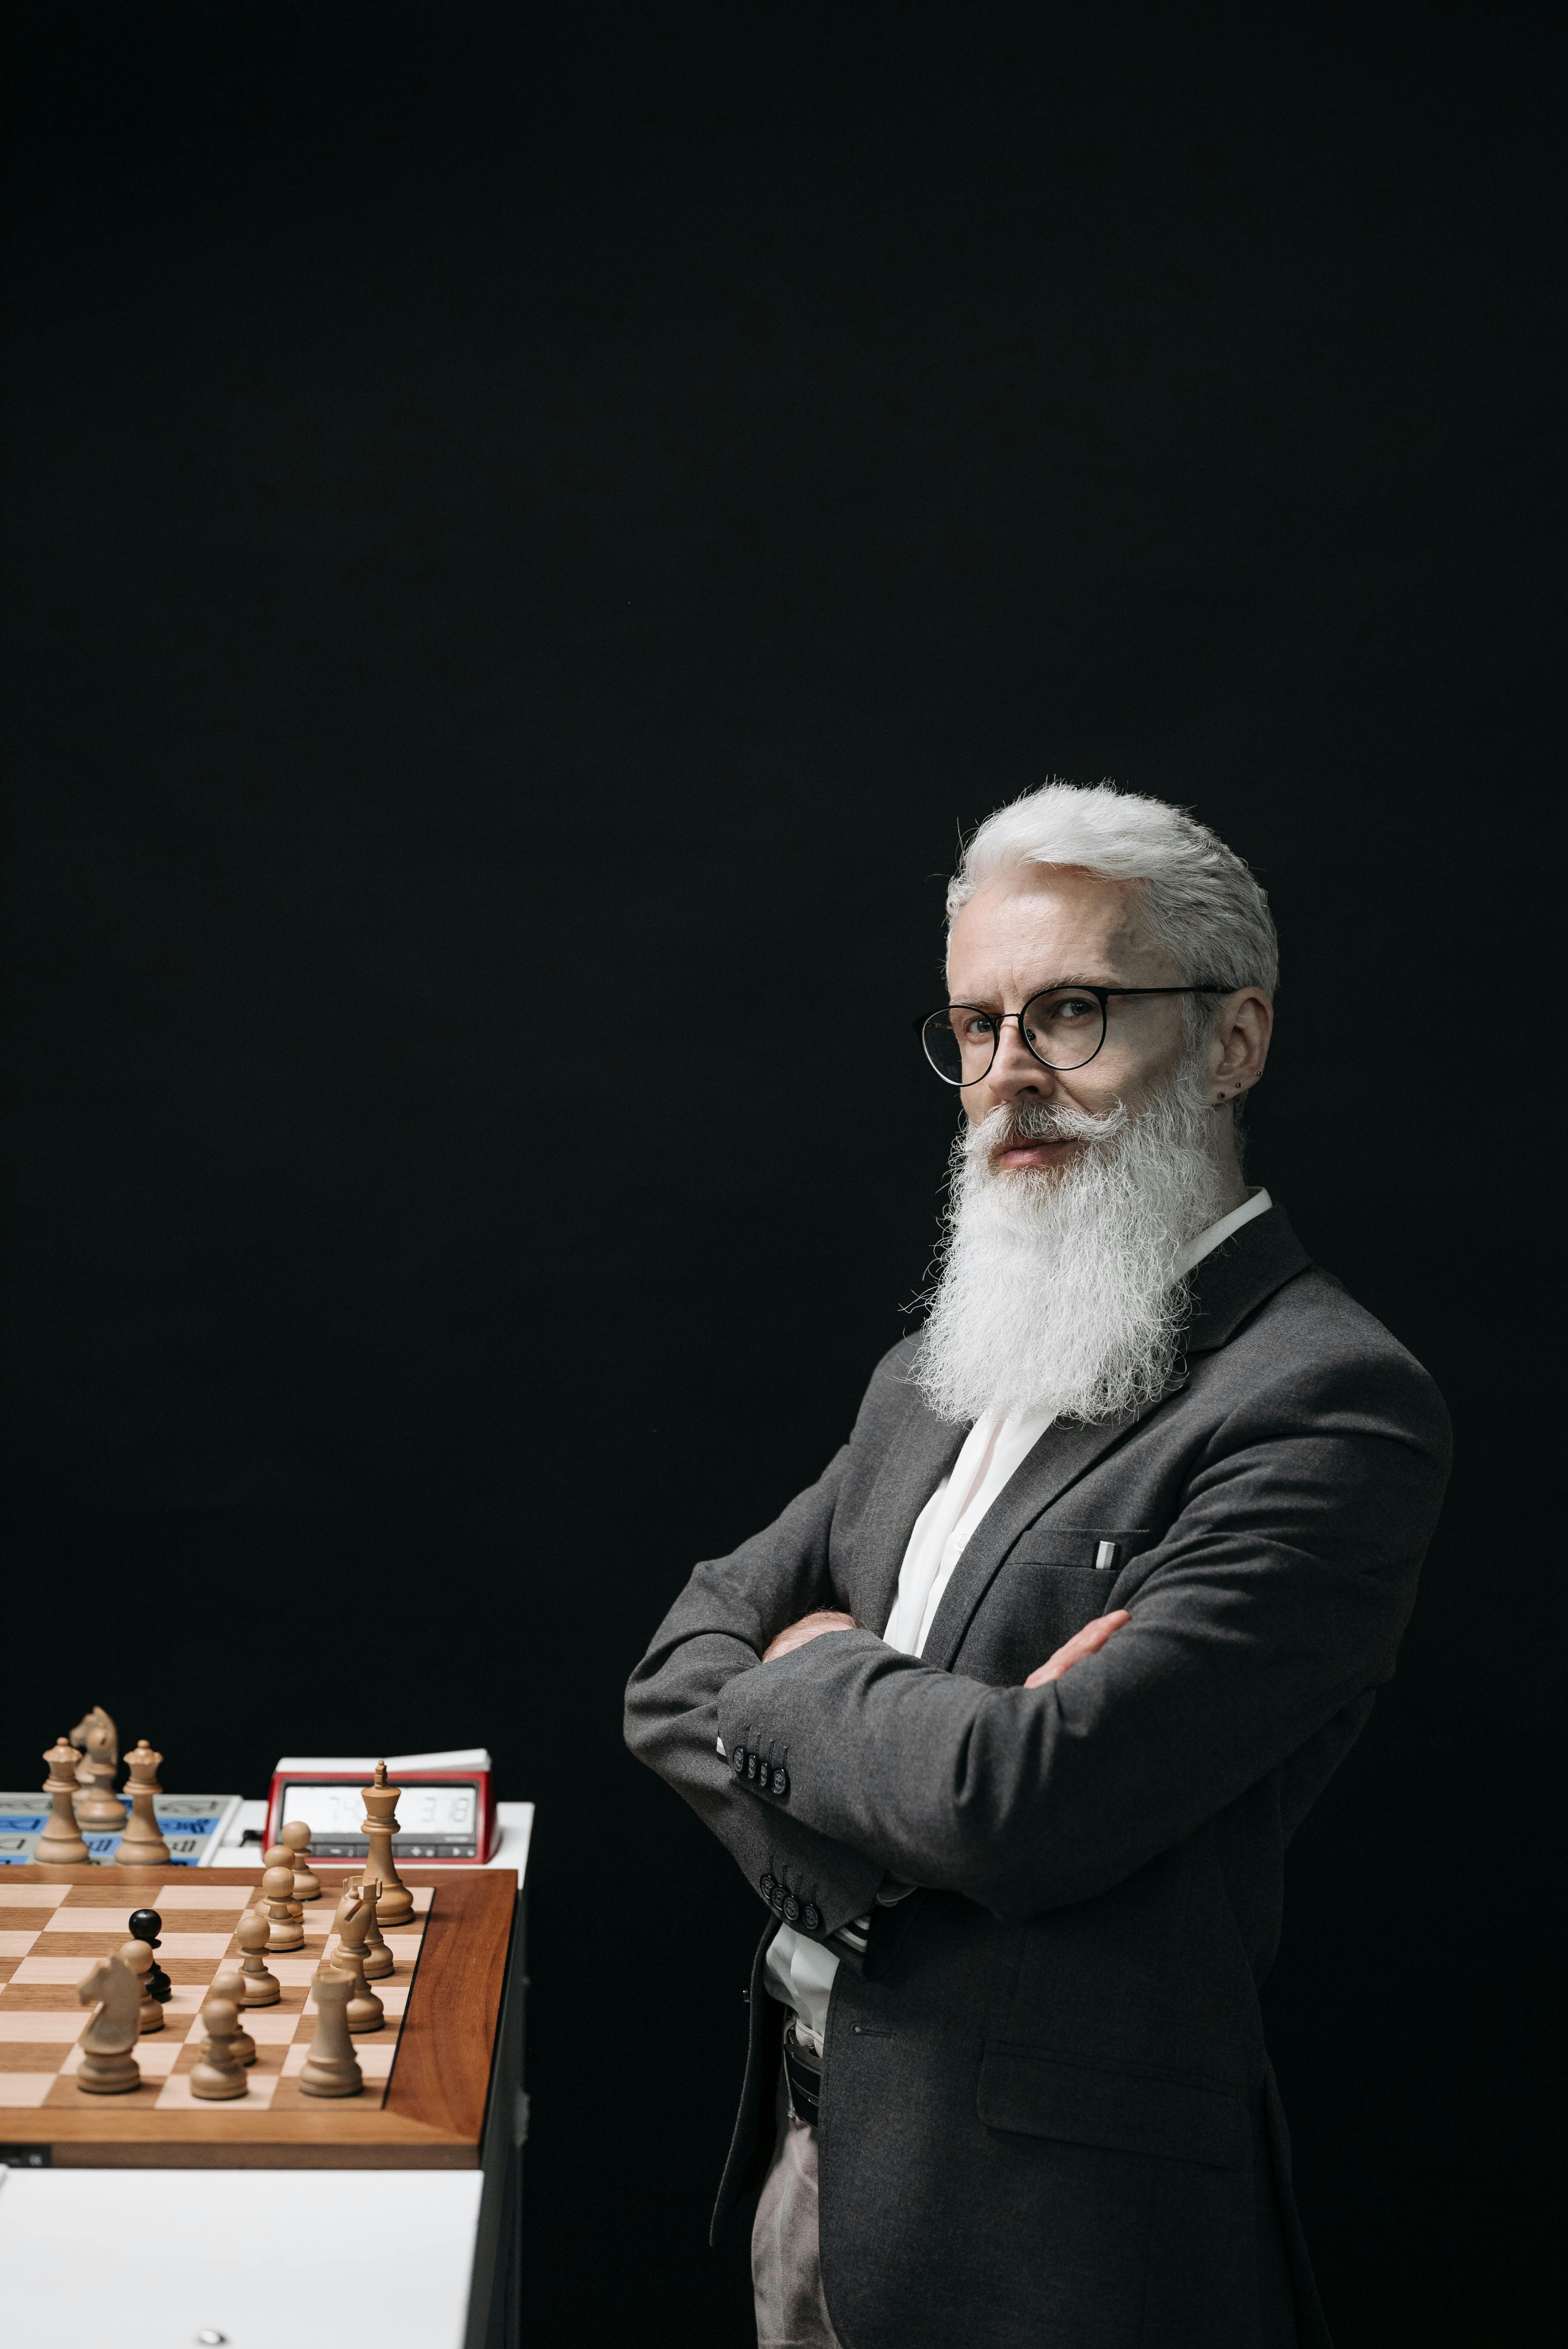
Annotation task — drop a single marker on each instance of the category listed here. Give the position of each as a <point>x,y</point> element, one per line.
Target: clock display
<point>438,1822</point>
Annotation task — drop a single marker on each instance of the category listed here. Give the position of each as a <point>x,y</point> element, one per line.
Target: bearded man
<point>1009,1718</point>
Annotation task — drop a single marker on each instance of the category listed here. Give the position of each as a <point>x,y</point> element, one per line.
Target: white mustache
<point>1026,1121</point>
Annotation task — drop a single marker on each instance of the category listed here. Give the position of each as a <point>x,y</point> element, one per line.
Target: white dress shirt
<point>800,1972</point>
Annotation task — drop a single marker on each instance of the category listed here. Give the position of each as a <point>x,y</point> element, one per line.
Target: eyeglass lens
<point>1064,1028</point>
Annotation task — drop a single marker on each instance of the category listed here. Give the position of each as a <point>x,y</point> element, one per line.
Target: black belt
<point>802,2080</point>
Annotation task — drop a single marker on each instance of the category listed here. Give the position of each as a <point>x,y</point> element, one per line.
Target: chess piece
<point>230,1983</point>
<point>108,2068</point>
<point>278,1855</point>
<point>332,2067</point>
<point>141,1845</point>
<point>365,2010</point>
<point>219,2073</point>
<point>380,1824</point>
<point>283,1932</point>
<point>378,1961</point>
<point>296,1835</point>
<point>261,1987</point>
<point>141,1959</point>
<point>60,1844</point>
<point>98,1808</point>
<point>146,1924</point>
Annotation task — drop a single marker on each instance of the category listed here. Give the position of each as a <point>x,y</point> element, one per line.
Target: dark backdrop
<point>535,530</point>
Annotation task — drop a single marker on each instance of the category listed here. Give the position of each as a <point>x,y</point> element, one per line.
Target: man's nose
<point>1015,1070</point>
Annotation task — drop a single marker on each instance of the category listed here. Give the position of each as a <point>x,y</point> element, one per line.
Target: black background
<point>535,529</point>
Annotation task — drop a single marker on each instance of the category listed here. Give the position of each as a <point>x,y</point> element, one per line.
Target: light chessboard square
<point>24,2091</point>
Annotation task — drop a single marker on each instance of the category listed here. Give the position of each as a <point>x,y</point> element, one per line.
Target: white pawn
<point>231,1984</point>
<point>137,1956</point>
<point>219,2074</point>
<point>296,1836</point>
<point>283,1930</point>
<point>262,1986</point>
<point>278,1855</point>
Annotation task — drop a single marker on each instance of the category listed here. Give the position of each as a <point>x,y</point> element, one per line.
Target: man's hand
<point>811,1626</point>
<point>1072,1651</point>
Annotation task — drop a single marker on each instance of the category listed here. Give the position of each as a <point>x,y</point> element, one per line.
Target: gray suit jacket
<point>1047,2116</point>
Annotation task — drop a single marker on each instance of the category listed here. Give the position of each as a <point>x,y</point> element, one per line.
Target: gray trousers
<point>786,2266</point>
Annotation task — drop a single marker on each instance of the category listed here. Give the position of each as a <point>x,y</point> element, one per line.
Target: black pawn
<point>145,1925</point>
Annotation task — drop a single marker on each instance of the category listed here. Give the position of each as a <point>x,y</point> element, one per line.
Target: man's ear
<point>1241,1037</point>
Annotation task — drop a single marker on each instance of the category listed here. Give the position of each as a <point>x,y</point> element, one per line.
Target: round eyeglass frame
<point>1062,986</point>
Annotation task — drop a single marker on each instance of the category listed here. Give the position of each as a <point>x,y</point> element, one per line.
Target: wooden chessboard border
<point>433,2117</point>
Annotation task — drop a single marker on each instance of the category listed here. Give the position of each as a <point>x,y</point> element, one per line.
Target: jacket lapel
<point>1240,1276</point>
<point>1058,1460</point>
<point>916,1461</point>
<point>1227,1287</point>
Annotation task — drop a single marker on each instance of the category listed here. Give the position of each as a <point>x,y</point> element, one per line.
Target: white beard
<point>1058,1290</point>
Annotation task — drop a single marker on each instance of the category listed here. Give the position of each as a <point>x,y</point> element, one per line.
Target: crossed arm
<point>1270,1609</point>
<point>1086,1642</point>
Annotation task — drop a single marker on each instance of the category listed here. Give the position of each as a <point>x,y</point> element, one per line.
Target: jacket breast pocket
<point>1029,1610</point>
<point>1094,1549</point>
<point>1033,2093</point>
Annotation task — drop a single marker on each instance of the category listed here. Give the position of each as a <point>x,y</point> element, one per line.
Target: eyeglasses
<point>1063,1026</point>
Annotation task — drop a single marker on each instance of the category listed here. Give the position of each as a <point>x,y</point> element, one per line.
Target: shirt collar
<point>1256,1203</point>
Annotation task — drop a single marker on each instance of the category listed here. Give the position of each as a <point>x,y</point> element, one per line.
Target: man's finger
<point>1083,1643</point>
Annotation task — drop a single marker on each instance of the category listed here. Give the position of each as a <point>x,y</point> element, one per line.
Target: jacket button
<point>777,1899</point>
<point>780,1781</point>
<point>765,1884</point>
<point>738,1761</point>
<point>753,1763</point>
<point>811,1917</point>
<point>791,1910</point>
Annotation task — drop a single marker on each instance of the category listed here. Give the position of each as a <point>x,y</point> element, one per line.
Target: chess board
<point>442,2006</point>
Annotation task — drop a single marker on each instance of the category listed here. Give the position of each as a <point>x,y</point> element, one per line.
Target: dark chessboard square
<point>38,2055</point>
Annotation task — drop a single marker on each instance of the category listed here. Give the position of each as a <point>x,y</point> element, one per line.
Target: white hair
<point>1199,899</point>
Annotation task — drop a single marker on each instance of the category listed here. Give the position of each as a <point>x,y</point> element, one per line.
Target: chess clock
<point>446,1813</point>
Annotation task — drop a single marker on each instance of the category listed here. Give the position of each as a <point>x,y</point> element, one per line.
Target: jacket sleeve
<point>716,1630</point>
<point>1277,1597</point>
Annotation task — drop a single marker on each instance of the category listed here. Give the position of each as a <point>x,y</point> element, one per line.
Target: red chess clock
<point>446,1813</point>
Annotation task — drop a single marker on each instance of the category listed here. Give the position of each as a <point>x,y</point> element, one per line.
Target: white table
<point>265,2259</point>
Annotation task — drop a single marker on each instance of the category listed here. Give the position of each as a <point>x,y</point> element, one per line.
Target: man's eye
<point>1075,1006</point>
<point>975,1028</point>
